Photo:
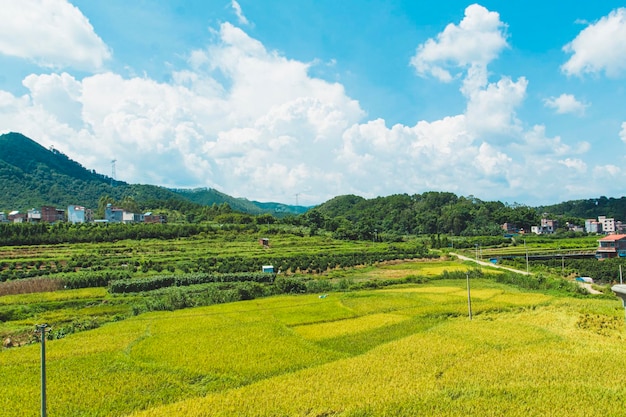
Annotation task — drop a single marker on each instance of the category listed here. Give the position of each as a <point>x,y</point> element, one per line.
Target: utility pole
<point>41,329</point>
<point>113,171</point>
<point>526,250</point>
<point>469,298</point>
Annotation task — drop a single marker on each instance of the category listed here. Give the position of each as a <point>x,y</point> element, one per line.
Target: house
<point>33,215</point>
<point>128,217</point>
<point>113,214</point>
<point>75,214</point>
<point>593,226</point>
<point>547,227</point>
<point>153,218</point>
<point>574,228</point>
<point>608,224</point>
<point>51,214</point>
<point>509,228</point>
<point>611,246</point>
<point>16,217</point>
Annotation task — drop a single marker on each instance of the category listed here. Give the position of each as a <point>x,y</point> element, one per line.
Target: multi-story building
<point>608,224</point>
<point>75,214</point>
<point>51,214</point>
<point>611,246</point>
<point>33,215</point>
<point>593,226</point>
<point>113,214</point>
<point>547,227</point>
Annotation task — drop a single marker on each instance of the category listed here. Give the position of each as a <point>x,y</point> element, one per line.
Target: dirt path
<point>588,287</point>
<point>483,263</point>
<point>585,285</point>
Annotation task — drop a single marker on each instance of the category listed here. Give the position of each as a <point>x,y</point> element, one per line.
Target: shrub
<point>284,285</point>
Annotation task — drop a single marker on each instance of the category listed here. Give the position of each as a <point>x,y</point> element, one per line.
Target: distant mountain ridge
<point>33,176</point>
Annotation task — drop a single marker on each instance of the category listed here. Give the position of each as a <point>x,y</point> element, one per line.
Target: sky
<point>301,101</point>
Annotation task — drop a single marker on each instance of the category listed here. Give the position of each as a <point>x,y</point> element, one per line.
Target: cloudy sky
<point>513,101</point>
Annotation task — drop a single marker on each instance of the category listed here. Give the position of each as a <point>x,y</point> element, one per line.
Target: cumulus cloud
<point>51,33</point>
<point>475,41</point>
<point>240,16</point>
<point>622,133</point>
<point>566,103</point>
<point>599,47</point>
<point>491,108</point>
<point>254,123</point>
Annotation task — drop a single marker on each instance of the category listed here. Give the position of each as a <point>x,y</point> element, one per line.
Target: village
<point>79,214</point>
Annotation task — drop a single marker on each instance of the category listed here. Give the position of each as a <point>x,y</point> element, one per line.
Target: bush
<point>284,285</point>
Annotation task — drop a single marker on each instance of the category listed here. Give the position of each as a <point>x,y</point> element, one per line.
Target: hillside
<point>209,196</point>
<point>33,176</point>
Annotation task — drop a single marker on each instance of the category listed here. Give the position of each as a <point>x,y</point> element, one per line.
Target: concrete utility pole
<point>469,298</point>
<point>526,250</point>
<point>41,329</point>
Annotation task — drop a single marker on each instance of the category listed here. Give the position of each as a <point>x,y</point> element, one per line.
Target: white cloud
<point>51,33</point>
<point>240,16</point>
<point>566,103</point>
<point>607,172</point>
<point>622,133</point>
<point>475,41</point>
<point>573,163</point>
<point>255,124</point>
<point>491,109</point>
<point>599,47</point>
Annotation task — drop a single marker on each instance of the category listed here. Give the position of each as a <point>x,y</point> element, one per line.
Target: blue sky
<point>510,101</point>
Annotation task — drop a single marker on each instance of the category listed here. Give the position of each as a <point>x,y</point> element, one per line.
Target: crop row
<point>162,281</point>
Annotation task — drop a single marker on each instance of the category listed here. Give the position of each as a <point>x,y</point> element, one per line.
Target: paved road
<point>483,263</point>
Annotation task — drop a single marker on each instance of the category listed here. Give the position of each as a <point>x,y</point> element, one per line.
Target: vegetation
<point>406,348</point>
<point>33,176</point>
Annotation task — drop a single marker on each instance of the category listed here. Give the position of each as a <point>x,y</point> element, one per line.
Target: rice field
<point>402,351</point>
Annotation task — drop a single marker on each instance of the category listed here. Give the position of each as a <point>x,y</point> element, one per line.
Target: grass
<point>401,351</point>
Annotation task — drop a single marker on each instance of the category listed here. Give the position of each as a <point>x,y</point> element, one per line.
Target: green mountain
<point>33,176</point>
<point>209,196</point>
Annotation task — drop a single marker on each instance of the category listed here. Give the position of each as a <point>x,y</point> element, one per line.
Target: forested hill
<point>430,212</point>
<point>442,212</point>
<point>590,208</point>
<point>33,176</point>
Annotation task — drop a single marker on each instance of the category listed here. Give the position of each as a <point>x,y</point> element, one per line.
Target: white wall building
<point>608,224</point>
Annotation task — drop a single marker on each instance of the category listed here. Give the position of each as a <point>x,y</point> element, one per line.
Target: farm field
<point>403,350</point>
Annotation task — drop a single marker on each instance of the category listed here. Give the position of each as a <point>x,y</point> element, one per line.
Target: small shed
<point>268,269</point>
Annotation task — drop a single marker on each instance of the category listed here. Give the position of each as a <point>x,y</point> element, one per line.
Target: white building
<point>608,225</point>
<point>34,215</point>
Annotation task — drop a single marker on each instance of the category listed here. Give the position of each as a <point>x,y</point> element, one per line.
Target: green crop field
<point>403,350</point>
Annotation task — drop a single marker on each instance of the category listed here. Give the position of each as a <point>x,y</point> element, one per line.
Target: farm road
<point>517,271</point>
<point>483,263</point>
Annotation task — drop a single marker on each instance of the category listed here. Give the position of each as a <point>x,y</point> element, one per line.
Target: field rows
<point>407,350</point>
